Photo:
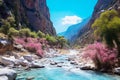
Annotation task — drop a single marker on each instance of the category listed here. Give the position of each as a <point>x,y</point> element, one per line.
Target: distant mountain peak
<point>72,32</point>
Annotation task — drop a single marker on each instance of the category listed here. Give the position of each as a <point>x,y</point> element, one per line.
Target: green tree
<point>25,32</point>
<point>51,39</point>
<point>61,41</point>
<point>13,32</point>
<point>33,34</point>
<point>107,26</point>
<point>11,20</point>
<point>40,34</point>
<point>7,24</point>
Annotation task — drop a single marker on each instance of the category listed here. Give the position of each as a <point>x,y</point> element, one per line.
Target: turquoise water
<point>67,72</point>
<point>61,74</point>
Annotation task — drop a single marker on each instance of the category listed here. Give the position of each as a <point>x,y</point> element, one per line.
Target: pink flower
<point>100,52</point>
<point>32,44</point>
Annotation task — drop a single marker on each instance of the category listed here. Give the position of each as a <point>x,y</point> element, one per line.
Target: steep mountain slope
<point>72,32</point>
<point>86,33</point>
<point>31,13</point>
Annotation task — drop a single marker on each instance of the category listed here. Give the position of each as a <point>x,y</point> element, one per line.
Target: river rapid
<point>58,67</point>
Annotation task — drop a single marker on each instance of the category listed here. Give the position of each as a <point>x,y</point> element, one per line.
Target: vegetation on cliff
<point>23,34</point>
<point>107,27</point>
<point>106,52</point>
<point>12,30</point>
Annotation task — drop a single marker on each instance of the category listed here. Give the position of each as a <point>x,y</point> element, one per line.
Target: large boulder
<point>3,78</point>
<point>7,73</point>
<point>117,70</point>
<point>28,57</point>
<point>36,65</point>
<point>25,63</point>
<point>8,61</point>
<point>53,63</point>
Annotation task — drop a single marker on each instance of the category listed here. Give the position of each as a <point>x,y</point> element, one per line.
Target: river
<point>63,71</point>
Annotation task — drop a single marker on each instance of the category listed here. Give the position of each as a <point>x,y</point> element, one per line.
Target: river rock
<point>19,61</point>
<point>69,59</point>
<point>28,58</point>
<point>59,65</point>
<point>35,56</point>
<point>36,65</point>
<point>25,63</point>
<point>7,73</point>
<point>8,61</point>
<point>53,63</point>
<point>3,78</point>
<point>73,62</point>
<point>86,68</point>
<point>117,70</point>
<point>30,78</point>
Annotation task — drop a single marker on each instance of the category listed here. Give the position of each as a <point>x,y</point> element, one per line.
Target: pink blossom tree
<point>32,44</point>
<point>102,56</point>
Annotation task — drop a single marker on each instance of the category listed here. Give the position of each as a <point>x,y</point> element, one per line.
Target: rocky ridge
<point>72,32</point>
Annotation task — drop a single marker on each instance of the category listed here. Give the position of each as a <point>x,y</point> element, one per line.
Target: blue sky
<point>68,12</point>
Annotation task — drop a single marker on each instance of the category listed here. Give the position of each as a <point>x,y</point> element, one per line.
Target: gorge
<point>30,48</point>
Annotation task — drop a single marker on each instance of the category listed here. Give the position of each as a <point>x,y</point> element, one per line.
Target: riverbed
<point>62,70</point>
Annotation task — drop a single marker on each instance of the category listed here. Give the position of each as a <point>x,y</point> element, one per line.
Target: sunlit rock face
<point>33,13</point>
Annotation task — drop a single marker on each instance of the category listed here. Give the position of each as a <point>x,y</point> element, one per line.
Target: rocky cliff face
<point>86,34</point>
<point>101,6</point>
<point>31,13</point>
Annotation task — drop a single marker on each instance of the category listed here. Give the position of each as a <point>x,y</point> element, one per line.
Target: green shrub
<point>62,41</point>
<point>107,26</point>
<point>11,20</point>
<point>7,24</point>
<point>40,34</point>
<point>5,27</point>
<point>13,32</point>
<point>51,39</point>
<point>33,34</point>
<point>25,32</point>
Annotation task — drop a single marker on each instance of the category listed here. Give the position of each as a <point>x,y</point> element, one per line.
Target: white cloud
<point>70,20</point>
